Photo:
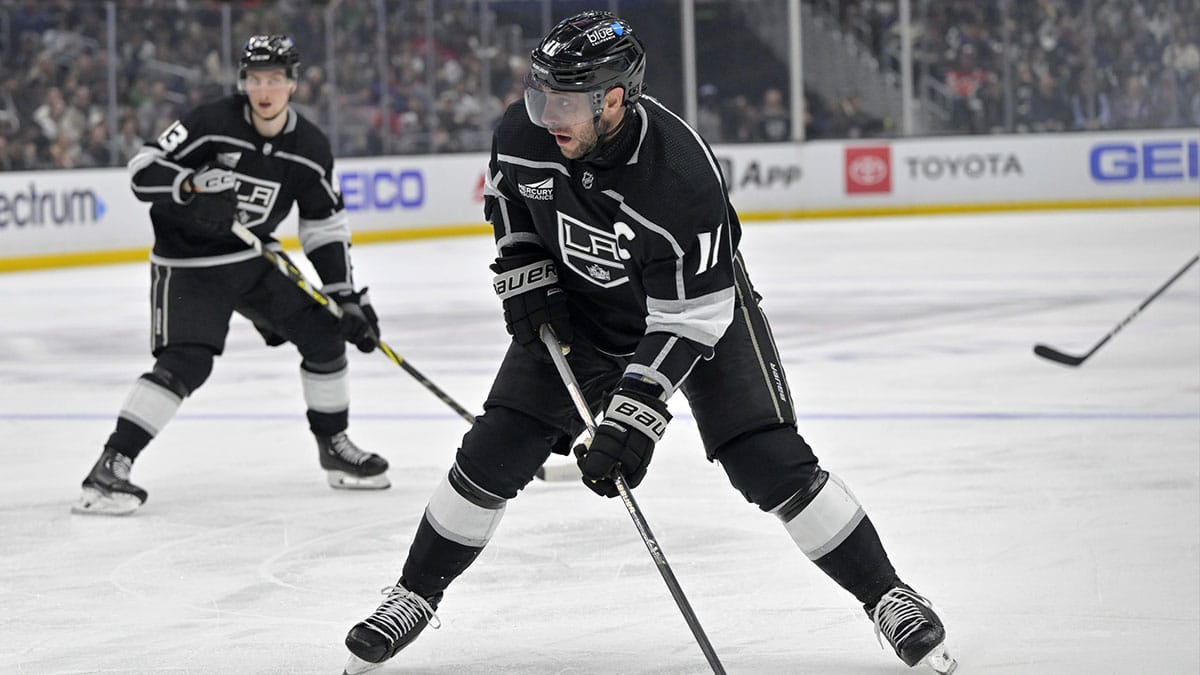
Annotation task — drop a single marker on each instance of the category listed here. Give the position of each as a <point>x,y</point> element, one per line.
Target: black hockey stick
<point>643,528</point>
<point>285,267</point>
<point>1053,354</point>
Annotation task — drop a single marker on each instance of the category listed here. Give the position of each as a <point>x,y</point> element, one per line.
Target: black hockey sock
<point>860,565</point>
<point>128,438</point>
<point>434,561</point>
<point>328,424</point>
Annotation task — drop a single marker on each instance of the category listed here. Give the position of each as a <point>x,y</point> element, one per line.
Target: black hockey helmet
<point>268,51</point>
<point>590,53</point>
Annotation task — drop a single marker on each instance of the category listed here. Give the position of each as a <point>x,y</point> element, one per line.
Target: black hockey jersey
<point>293,167</point>
<point>644,237</point>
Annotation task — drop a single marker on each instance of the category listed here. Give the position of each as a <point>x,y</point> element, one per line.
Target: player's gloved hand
<point>359,324</point>
<point>527,283</point>
<point>624,441</point>
<point>211,198</point>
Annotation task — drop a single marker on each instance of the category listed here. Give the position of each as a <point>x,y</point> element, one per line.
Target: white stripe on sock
<point>326,392</point>
<point>827,520</point>
<point>458,520</point>
<point>150,406</point>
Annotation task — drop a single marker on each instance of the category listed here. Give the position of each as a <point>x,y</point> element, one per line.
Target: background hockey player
<point>613,227</point>
<point>248,156</point>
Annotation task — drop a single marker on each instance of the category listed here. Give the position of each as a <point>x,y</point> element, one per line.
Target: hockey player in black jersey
<point>614,228</point>
<point>249,157</point>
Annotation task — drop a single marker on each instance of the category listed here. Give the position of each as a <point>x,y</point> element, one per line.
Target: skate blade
<point>96,503</point>
<point>356,665</point>
<point>558,473</point>
<point>345,481</point>
<point>940,661</point>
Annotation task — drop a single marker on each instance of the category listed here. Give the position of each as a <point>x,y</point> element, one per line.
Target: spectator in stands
<point>816,116</point>
<point>739,120</point>
<point>1049,108</point>
<point>1090,110</point>
<point>24,152</point>
<point>10,114</point>
<point>95,151</point>
<point>128,141</point>
<point>82,114</point>
<point>42,75</point>
<point>1193,105</point>
<point>154,108</point>
<point>851,121</point>
<point>964,81</point>
<point>50,116</point>
<point>1024,88</point>
<point>6,160</point>
<point>1131,110</point>
<point>708,113</point>
<point>774,123</point>
<point>1166,108</point>
<point>992,115</point>
<point>1181,57</point>
<point>64,153</point>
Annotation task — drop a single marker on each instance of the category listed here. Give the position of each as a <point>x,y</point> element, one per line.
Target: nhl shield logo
<point>592,253</point>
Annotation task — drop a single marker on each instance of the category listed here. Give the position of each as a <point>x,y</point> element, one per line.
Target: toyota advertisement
<point>1042,171</point>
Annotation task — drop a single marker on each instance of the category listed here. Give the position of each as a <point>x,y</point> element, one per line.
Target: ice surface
<point>1052,514</point>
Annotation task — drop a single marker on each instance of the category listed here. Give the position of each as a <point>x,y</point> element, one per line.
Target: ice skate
<point>107,490</point>
<point>397,622</point>
<point>912,628</point>
<point>350,467</point>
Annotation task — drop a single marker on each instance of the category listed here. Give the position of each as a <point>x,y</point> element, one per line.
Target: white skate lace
<point>347,450</point>
<point>121,466</point>
<point>401,612</point>
<point>898,607</point>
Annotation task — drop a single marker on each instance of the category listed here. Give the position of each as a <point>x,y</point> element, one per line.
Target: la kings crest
<point>593,253</point>
<point>256,199</point>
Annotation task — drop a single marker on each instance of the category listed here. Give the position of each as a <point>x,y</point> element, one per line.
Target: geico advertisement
<point>58,211</point>
<point>406,192</point>
<point>1160,160</point>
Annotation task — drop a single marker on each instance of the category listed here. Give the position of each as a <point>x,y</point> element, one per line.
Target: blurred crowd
<point>65,104</point>
<point>1000,65</point>
<point>1045,65</point>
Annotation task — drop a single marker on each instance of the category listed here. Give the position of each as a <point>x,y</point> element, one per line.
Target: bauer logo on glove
<point>641,417</point>
<point>525,278</point>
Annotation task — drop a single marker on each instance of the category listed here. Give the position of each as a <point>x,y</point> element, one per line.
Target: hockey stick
<point>643,528</point>
<point>285,267</point>
<point>1053,354</point>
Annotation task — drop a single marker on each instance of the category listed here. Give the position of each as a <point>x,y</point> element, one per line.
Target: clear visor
<point>556,109</point>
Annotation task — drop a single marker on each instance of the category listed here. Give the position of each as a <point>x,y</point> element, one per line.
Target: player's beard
<point>590,139</point>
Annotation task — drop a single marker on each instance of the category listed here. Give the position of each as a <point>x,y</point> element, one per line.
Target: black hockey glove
<point>624,441</point>
<point>213,201</point>
<point>527,284</point>
<point>359,324</point>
